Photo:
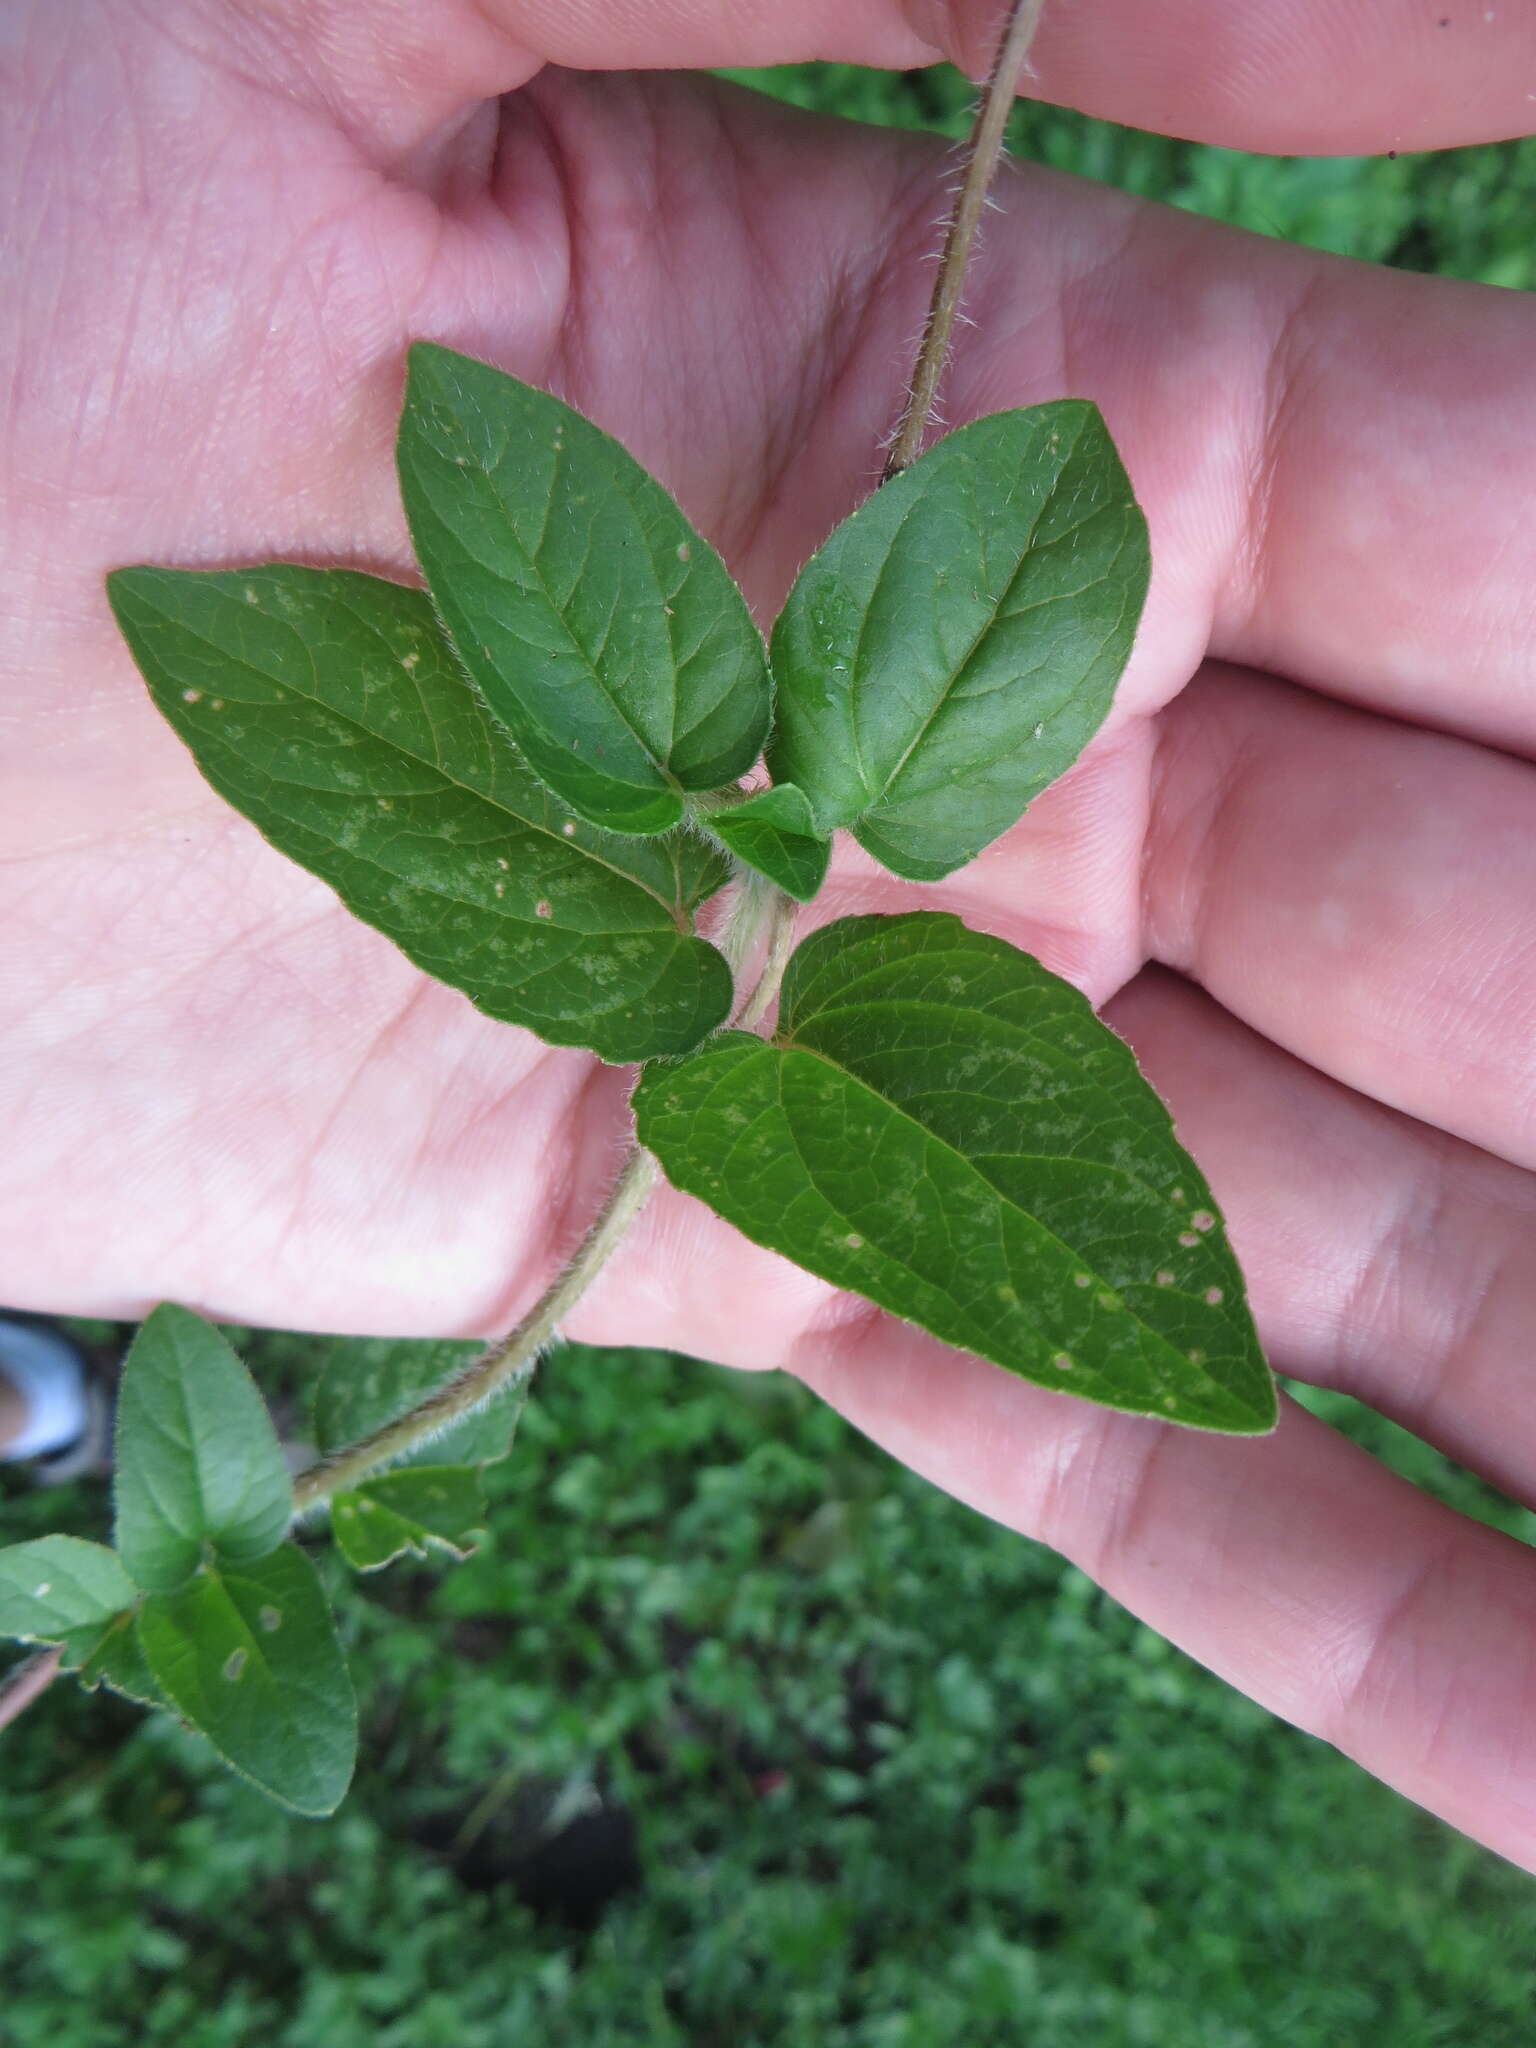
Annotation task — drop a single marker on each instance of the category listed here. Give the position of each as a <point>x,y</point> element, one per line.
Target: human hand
<point>1307,902</point>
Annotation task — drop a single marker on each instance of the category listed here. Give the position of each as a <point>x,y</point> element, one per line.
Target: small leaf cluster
<point>204,1605</point>
<point>896,1779</point>
<point>531,778</point>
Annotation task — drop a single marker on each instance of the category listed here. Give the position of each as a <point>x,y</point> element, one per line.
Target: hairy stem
<point>27,1682</point>
<point>982,154</point>
<point>512,1358</point>
<point>742,931</point>
<point>782,910</point>
<point>502,1364</point>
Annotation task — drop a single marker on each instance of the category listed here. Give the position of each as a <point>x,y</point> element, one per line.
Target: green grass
<point>896,1779</point>
<point>1458,212</point>
<point>867,1771</point>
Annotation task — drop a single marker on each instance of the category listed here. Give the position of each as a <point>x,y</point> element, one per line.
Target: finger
<point>1361,892</point>
<point>1382,1257</point>
<point>1275,75</point>
<point>1295,1567</point>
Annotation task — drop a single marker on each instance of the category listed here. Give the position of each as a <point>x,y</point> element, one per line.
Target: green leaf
<point>59,1589</point>
<point>956,643</point>
<point>199,1466</point>
<point>775,833</point>
<point>117,1661</point>
<point>370,1381</point>
<point>328,707</point>
<point>947,1129</point>
<point>603,630</point>
<point>413,1512</point>
<point>249,1657</point>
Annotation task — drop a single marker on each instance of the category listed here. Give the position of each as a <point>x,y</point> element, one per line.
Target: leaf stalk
<point>982,154</point>
<point>511,1359</point>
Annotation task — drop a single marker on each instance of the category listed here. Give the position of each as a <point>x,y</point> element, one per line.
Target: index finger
<point>1299,76</point>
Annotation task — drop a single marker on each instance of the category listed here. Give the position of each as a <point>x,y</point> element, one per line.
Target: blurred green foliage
<point>735,1735</point>
<point>866,1771</point>
<point>1457,212</point>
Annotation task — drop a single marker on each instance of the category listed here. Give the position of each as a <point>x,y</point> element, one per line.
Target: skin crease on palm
<point>1299,867</point>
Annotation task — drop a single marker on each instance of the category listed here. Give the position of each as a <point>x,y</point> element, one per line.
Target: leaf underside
<point>409,1513</point>
<point>602,629</point>
<point>117,1661</point>
<point>368,1382</point>
<point>774,833</point>
<point>955,644</point>
<point>198,1464</point>
<point>328,708</point>
<point>248,1655</point>
<point>947,1129</point>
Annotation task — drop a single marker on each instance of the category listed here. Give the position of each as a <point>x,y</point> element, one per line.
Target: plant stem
<point>27,1682</point>
<point>750,912</point>
<point>982,153</point>
<point>512,1358</point>
<point>782,910</point>
<point>502,1364</point>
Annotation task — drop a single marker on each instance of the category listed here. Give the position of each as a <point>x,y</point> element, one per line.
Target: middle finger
<point>1360,891</point>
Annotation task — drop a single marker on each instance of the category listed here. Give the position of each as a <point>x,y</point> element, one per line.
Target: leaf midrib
<point>675,911</point>
<point>1184,1364</point>
<point>958,669</point>
<point>587,660</point>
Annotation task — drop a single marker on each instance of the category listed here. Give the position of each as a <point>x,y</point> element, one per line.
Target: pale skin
<point>1307,896</point>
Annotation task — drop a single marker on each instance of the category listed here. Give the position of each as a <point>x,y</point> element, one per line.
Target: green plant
<point>890,1775</point>
<point>530,780</point>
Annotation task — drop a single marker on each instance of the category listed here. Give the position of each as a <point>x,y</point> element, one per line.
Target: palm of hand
<point>235,1096</point>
